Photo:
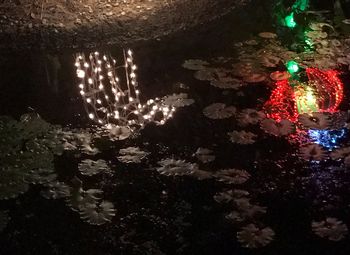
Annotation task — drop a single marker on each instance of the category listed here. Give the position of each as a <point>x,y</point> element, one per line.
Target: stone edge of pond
<point>181,15</point>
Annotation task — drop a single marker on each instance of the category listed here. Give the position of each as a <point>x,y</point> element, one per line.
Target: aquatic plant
<point>132,155</point>
<point>315,120</point>
<point>4,219</point>
<point>219,111</point>
<point>26,153</point>
<point>90,205</point>
<point>177,100</point>
<point>252,236</point>
<point>56,190</point>
<point>114,102</point>
<point>230,195</point>
<point>172,167</point>
<point>204,155</point>
<point>91,167</point>
<point>201,174</point>
<point>330,228</point>
<point>232,176</point>
<point>281,128</point>
<point>195,64</point>
<point>312,152</point>
<point>249,117</point>
<point>78,141</point>
<point>97,213</point>
<point>242,137</point>
<point>267,35</point>
<point>340,153</point>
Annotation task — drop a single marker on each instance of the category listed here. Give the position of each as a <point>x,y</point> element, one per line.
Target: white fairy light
<point>80,73</point>
<point>121,106</point>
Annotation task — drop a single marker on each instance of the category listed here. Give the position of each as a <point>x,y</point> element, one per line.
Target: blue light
<point>327,138</point>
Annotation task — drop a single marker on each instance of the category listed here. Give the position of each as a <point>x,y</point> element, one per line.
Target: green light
<point>292,67</point>
<point>300,5</point>
<point>289,21</point>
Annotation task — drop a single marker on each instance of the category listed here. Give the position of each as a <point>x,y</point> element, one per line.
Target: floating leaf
<point>204,155</point>
<point>330,228</point>
<point>312,152</point>
<point>219,111</point>
<point>195,64</point>
<point>242,137</point>
<point>4,219</point>
<point>90,167</point>
<point>281,128</point>
<point>268,35</point>
<point>232,176</point>
<point>252,236</point>
<point>177,100</point>
<point>97,213</point>
<point>132,155</point>
<point>56,190</point>
<point>250,117</point>
<point>172,167</point>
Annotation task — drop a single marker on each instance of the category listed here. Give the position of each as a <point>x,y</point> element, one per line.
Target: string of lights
<point>111,95</point>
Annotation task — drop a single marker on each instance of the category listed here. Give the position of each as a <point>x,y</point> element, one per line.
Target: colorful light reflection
<point>327,138</point>
<point>323,92</point>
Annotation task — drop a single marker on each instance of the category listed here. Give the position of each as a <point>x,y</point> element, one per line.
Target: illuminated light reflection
<point>329,139</point>
<point>110,102</point>
<point>289,21</point>
<point>322,93</point>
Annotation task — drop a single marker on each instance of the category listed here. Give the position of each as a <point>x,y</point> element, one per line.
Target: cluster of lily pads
<point>259,62</point>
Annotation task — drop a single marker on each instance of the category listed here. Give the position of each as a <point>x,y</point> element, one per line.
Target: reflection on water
<point>258,157</point>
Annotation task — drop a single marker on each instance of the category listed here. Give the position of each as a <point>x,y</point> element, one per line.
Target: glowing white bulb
<point>80,73</point>
<point>82,93</point>
<point>129,52</point>
<point>86,65</point>
<point>100,86</point>
<point>131,99</point>
<point>81,86</point>
<point>90,81</point>
<point>88,100</point>
<point>91,116</point>
<point>99,101</point>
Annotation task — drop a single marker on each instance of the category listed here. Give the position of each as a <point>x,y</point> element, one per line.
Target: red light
<point>328,91</point>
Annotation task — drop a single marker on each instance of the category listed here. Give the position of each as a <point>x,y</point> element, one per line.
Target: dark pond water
<point>214,179</point>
